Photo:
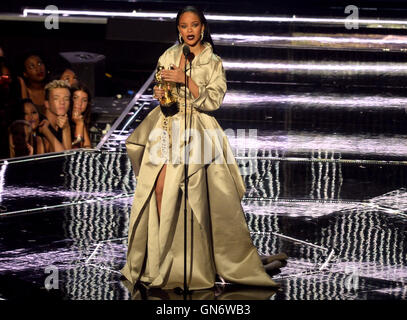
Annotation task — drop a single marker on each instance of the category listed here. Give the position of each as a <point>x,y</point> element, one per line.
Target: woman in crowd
<point>33,117</point>
<point>34,80</point>
<point>20,139</point>
<point>69,76</point>
<point>9,100</point>
<point>5,106</point>
<point>80,116</point>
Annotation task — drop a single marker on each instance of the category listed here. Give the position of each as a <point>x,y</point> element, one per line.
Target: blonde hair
<point>56,84</point>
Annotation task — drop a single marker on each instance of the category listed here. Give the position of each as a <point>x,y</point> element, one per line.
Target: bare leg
<point>159,188</point>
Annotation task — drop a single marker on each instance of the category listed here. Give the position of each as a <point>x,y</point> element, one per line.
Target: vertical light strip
<point>2,179</point>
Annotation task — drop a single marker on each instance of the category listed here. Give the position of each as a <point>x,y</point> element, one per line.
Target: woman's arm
<point>86,142</point>
<point>11,145</point>
<point>210,96</point>
<point>77,118</point>
<point>40,146</point>
<point>81,131</point>
<point>207,97</point>
<point>47,146</point>
<point>177,75</point>
<point>66,137</point>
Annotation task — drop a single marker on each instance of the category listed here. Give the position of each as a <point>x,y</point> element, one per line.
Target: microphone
<point>186,50</point>
<point>187,53</point>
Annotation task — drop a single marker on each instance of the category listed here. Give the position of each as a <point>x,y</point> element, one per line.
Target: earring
<point>202,35</point>
<point>179,38</point>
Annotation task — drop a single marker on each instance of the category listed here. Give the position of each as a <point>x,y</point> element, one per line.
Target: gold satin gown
<point>218,238</point>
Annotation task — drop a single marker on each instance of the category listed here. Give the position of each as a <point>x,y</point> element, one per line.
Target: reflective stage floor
<point>343,226</point>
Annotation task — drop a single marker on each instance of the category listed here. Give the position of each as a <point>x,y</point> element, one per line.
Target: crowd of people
<point>41,112</point>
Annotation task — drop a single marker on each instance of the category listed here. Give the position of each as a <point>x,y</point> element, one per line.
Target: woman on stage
<point>218,238</point>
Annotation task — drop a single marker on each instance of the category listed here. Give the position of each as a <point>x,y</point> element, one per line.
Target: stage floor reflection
<point>342,225</point>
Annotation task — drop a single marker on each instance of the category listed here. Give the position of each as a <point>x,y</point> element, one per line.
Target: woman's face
<point>70,77</point>
<point>80,101</point>
<point>190,28</point>
<point>31,115</point>
<point>34,69</point>
<point>5,71</point>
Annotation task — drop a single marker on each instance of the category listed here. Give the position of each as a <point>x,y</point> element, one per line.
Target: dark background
<point>131,46</point>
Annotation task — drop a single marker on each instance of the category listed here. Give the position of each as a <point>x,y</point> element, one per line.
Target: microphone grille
<point>186,50</point>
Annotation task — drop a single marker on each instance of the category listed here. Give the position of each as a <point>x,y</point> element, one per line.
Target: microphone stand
<point>186,162</point>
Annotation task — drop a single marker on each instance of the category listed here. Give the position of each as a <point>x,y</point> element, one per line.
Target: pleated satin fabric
<point>218,237</point>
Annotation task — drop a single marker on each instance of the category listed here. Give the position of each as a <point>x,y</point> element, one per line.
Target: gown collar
<point>203,57</point>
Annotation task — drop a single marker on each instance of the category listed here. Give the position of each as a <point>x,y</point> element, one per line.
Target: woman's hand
<point>175,75</point>
<point>158,93</point>
<point>30,149</point>
<point>77,117</point>
<point>43,126</point>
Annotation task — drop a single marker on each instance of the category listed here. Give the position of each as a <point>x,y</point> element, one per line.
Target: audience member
<point>32,86</point>
<point>54,125</point>
<point>32,116</point>
<point>69,76</point>
<point>9,92</point>
<point>20,139</point>
<point>56,128</point>
<point>81,111</point>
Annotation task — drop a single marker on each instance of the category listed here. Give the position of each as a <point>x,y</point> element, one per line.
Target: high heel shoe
<point>273,265</point>
<point>276,257</point>
<point>273,268</point>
